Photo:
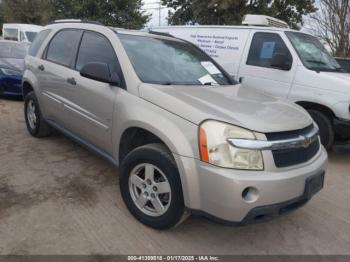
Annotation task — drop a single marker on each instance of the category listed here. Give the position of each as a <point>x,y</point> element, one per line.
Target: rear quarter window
<point>38,41</point>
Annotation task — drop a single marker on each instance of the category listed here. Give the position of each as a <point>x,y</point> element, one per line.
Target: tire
<point>157,158</point>
<point>36,124</point>
<point>326,128</point>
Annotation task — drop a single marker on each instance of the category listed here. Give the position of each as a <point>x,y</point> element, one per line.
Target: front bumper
<point>218,193</point>
<point>342,128</point>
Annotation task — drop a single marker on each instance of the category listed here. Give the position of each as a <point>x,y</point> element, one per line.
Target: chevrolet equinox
<point>186,137</point>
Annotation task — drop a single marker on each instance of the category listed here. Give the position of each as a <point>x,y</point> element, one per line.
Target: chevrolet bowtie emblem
<point>307,142</point>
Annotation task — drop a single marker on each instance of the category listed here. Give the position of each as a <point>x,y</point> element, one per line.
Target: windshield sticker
<point>207,80</point>
<point>267,50</point>
<point>211,68</point>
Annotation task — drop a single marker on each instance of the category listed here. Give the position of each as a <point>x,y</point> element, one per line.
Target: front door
<point>256,70</point>
<point>91,103</point>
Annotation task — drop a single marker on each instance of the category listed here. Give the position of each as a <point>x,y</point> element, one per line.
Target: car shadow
<point>12,98</point>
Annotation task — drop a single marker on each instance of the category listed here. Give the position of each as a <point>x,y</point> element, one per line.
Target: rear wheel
<point>151,187</point>
<point>326,128</point>
<point>35,122</point>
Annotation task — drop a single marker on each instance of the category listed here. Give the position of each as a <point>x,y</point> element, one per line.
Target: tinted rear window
<point>38,41</point>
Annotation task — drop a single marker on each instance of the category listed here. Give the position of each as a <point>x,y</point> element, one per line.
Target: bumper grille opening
<point>293,156</point>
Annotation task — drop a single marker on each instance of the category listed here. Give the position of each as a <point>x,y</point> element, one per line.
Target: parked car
<point>20,32</point>
<point>344,63</point>
<point>266,55</point>
<point>186,137</point>
<point>11,67</point>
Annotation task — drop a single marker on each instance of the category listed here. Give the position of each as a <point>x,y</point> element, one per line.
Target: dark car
<point>344,63</point>
<point>11,67</point>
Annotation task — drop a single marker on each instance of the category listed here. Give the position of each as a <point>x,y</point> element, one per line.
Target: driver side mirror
<point>281,61</point>
<point>100,72</point>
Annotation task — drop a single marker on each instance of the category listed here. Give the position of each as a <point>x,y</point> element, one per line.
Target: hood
<point>334,82</point>
<point>11,63</point>
<point>233,104</point>
<point>339,82</point>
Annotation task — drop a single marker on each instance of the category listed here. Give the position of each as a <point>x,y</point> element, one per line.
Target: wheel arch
<point>316,106</point>
<point>26,88</point>
<point>174,139</point>
<point>134,137</point>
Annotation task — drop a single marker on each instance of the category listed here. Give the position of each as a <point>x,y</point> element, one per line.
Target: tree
<point>120,13</point>
<point>1,16</point>
<point>26,11</point>
<point>332,24</point>
<point>231,12</point>
<point>123,13</point>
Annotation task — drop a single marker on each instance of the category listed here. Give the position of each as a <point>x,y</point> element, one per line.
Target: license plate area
<point>314,185</point>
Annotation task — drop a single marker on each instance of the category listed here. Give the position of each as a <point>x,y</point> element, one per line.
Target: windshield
<point>31,36</point>
<point>12,50</point>
<point>312,53</point>
<point>171,62</point>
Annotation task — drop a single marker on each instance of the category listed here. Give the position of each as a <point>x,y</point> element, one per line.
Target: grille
<point>293,156</point>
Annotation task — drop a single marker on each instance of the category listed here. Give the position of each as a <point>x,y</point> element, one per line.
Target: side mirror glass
<point>100,72</point>
<point>281,61</point>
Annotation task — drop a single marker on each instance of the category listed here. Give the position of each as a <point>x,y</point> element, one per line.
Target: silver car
<point>186,137</point>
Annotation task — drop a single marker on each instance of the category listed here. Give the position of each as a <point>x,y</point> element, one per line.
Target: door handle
<point>72,81</point>
<point>240,80</point>
<point>41,68</point>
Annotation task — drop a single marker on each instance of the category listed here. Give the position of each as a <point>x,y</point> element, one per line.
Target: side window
<point>264,47</point>
<point>10,34</point>
<point>39,39</point>
<point>95,47</point>
<point>62,47</point>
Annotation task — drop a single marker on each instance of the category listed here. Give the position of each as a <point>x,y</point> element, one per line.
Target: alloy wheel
<point>150,190</point>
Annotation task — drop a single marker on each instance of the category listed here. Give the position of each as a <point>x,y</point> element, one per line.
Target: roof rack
<point>63,21</point>
<point>160,33</point>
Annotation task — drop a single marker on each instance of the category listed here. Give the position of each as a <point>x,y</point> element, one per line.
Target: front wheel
<point>151,187</point>
<point>326,128</point>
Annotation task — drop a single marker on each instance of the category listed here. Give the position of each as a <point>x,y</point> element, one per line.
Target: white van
<point>20,32</point>
<point>266,55</point>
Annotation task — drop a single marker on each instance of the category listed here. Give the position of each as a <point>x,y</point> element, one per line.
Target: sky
<point>158,16</point>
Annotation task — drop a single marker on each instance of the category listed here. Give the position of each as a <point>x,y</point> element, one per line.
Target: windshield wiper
<point>316,62</point>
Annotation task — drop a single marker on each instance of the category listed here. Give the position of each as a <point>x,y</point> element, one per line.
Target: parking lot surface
<point>58,198</point>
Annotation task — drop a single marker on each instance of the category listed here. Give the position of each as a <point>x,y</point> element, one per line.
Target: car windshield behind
<point>312,53</point>
<point>12,50</point>
<point>31,36</point>
<point>344,63</point>
<point>171,62</point>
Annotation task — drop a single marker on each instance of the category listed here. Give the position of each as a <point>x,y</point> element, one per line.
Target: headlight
<point>10,72</point>
<point>216,150</point>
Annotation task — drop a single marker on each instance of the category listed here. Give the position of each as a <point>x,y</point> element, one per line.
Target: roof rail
<point>160,33</point>
<point>263,20</point>
<point>62,21</point>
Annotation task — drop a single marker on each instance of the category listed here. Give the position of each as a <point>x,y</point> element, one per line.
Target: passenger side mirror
<point>100,72</point>
<point>281,61</point>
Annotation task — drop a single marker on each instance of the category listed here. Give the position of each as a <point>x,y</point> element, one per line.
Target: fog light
<point>250,194</point>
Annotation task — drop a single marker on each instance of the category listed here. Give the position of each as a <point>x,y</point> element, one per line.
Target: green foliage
<point>122,13</point>
<point>1,17</point>
<point>231,12</point>
<point>25,11</point>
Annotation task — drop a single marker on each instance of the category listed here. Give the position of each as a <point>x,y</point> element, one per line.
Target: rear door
<point>54,69</point>
<point>90,104</point>
<point>256,70</point>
